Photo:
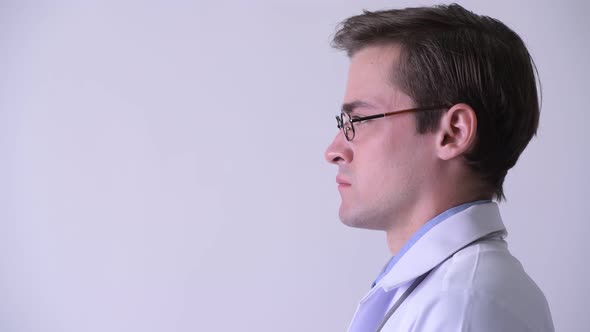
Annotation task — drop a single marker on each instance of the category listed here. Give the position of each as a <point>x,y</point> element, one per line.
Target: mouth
<point>342,182</point>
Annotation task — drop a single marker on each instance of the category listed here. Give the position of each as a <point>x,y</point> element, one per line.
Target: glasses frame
<point>346,130</point>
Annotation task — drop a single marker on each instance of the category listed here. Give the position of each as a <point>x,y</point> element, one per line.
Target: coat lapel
<point>442,241</point>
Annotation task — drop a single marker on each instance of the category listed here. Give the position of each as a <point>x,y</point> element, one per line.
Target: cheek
<point>394,167</point>
<point>379,171</point>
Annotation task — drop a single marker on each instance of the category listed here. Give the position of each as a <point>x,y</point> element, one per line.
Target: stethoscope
<point>402,299</point>
<point>421,278</point>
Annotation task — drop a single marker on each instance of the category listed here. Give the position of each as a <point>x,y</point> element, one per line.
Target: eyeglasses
<point>346,121</point>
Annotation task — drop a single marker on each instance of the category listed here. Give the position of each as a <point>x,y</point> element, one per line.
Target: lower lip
<point>343,185</point>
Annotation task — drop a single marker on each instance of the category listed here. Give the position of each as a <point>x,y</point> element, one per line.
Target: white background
<point>162,166</point>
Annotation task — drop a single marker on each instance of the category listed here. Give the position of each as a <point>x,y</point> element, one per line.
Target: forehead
<point>371,74</point>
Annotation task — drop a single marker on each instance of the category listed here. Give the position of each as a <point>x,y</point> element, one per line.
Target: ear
<point>457,132</point>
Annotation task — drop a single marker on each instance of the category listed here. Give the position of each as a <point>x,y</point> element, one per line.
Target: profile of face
<point>383,170</point>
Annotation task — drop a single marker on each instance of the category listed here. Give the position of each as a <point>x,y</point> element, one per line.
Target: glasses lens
<point>339,121</point>
<point>347,126</point>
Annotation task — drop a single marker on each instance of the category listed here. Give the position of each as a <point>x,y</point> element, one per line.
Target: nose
<point>339,151</point>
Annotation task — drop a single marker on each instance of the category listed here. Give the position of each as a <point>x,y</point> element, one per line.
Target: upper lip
<point>340,180</point>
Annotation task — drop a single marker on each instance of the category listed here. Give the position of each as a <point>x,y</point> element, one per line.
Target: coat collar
<point>442,241</point>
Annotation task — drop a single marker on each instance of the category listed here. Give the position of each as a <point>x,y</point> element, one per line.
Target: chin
<point>359,220</point>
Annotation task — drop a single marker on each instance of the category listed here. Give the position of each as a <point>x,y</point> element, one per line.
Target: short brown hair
<point>450,55</point>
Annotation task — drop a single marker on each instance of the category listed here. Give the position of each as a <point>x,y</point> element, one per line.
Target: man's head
<point>421,57</point>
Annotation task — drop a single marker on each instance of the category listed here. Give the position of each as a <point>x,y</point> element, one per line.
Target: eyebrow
<point>350,107</point>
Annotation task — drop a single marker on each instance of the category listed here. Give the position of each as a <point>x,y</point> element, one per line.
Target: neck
<point>409,223</point>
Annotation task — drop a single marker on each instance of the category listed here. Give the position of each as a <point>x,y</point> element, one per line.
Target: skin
<point>390,177</point>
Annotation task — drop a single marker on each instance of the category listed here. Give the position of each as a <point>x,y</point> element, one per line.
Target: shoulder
<point>487,267</point>
<point>480,288</point>
<point>474,310</point>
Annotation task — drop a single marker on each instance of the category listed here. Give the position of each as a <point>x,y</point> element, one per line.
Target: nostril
<point>339,151</point>
<point>336,158</point>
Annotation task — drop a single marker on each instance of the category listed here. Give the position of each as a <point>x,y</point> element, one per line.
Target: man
<point>439,104</point>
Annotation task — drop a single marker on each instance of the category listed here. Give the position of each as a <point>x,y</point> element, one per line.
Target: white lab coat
<point>476,284</point>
